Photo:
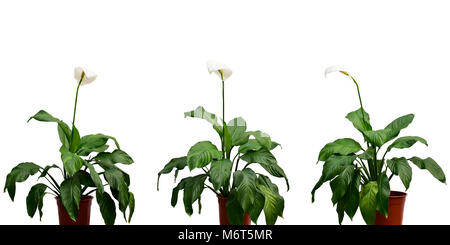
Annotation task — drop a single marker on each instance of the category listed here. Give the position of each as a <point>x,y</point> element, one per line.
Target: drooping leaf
<point>47,168</point>
<point>360,119</point>
<point>19,173</point>
<point>107,207</point>
<point>201,154</point>
<point>64,131</point>
<point>71,196</point>
<point>384,191</point>
<point>273,202</point>
<point>71,161</point>
<point>400,167</point>
<point>430,165</point>
<point>220,173</point>
<point>251,145</point>
<point>245,183</point>
<point>344,146</point>
<point>267,160</point>
<point>117,156</point>
<point>201,113</point>
<point>178,163</point>
<point>193,188</point>
<point>132,205</point>
<point>235,212</point>
<point>406,142</point>
<point>117,180</point>
<point>95,177</point>
<point>258,206</point>
<point>35,199</point>
<point>340,184</point>
<point>368,202</point>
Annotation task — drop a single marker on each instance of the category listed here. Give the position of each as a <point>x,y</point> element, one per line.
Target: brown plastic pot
<point>84,212</point>
<point>223,216</point>
<point>395,210</point>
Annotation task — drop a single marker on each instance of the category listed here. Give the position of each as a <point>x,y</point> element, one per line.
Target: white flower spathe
<point>332,69</point>
<point>220,69</point>
<point>89,76</point>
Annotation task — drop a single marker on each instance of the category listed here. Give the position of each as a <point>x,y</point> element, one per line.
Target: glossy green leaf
<point>117,156</point>
<point>35,199</point>
<point>251,145</point>
<point>349,203</point>
<point>340,184</point>
<point>245,183</point>
<point>178,163</point>
<point>383,193</point>
<point>220,173</point>
<point>132,205</point>
<point>344,146</point>
<point>273,202</point>
<point>360,121</point>
<point>400,167</point>
<point>406,142</point>
<point>19,173</point>
<point>107,207</point>
<point>267,160</point>
<point>71,161</point>
<point>234,210</point>
<point>47,168</point>
<point>262,138</point>
<point>258,206</point>
<point>397,125</point>
<point>94,143</point>
<point>237,128</point>
<point>117,180</point>
<point>201,113</point>
<point>377,137</point>
<point>71,196</point>
<point>75,139</point>
<point>95,177</point>
<point>368,202</point>
<point>192,191</point>
<point>430,165</point>
<point>367,154</point>
<point>201,154</point>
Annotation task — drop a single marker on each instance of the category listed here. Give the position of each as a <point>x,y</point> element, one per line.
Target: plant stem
<point>76,102</point>
<point>359,96</point>
<point>211,188</point>
<point>223,115</point>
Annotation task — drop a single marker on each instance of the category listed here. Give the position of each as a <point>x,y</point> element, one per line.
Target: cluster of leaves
<point>358,178</point>
<point>80,176</point>
<point>248,191</point>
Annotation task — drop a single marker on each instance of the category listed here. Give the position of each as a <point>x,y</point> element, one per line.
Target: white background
<point>150,58</point>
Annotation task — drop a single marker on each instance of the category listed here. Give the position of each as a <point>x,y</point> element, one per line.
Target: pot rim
<point>397,194</point>
<point>222,197</point>
<point>83,198</point>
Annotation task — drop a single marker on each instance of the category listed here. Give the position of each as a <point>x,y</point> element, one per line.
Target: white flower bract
<point>89,76</point>
<point>219,69</point>
<point>332,69</point>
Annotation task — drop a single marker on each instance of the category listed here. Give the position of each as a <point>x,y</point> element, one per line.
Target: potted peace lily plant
<point>360,178</point>
<point>85,161</point>
<point>242,193</point>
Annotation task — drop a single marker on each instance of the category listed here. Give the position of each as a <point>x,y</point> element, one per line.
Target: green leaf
<point>360,122</point>
<point>368,202</point>
<point>46,169</point>
<point>117,156</point>
<point>406,142</point>
<point>258,206</point>
<point>178,163</point>
<point>75,139</point>
<point>19,173</point>
<point>397,125</point>
<point>94,143</point>
<point>245,183</point>
<point>384,191</point>
<point>44,116</point>
<point>35,199</point>
<point>262,138</point>
<point>251,145</point>
<point>400,167</point>
<point>95,177</point>
<point>430,165</point>
<point>344,146</point>
<point>267,160</point>
<point>71,196</point>
<point>235,212</point>
<point>350,201</point>
<point>273,202</point>
<point>132,206</point>
<point>367,154</point>
<point>107,207</point>
<point>227,141</point>
<point>377,137</point>
<point>71,161</point>
<point>117,180</point>
<point>192,192</point>
<point>201,154</point>
<point>220,173</point>
<point>84,178</point>
<point>237,128</point>
<point>201,113</point>
<point>340,184</point>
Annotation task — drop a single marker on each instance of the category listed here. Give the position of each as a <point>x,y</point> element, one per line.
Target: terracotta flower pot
<point>223,216</point>
<point>395,210</point>
<point>84,212</point>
